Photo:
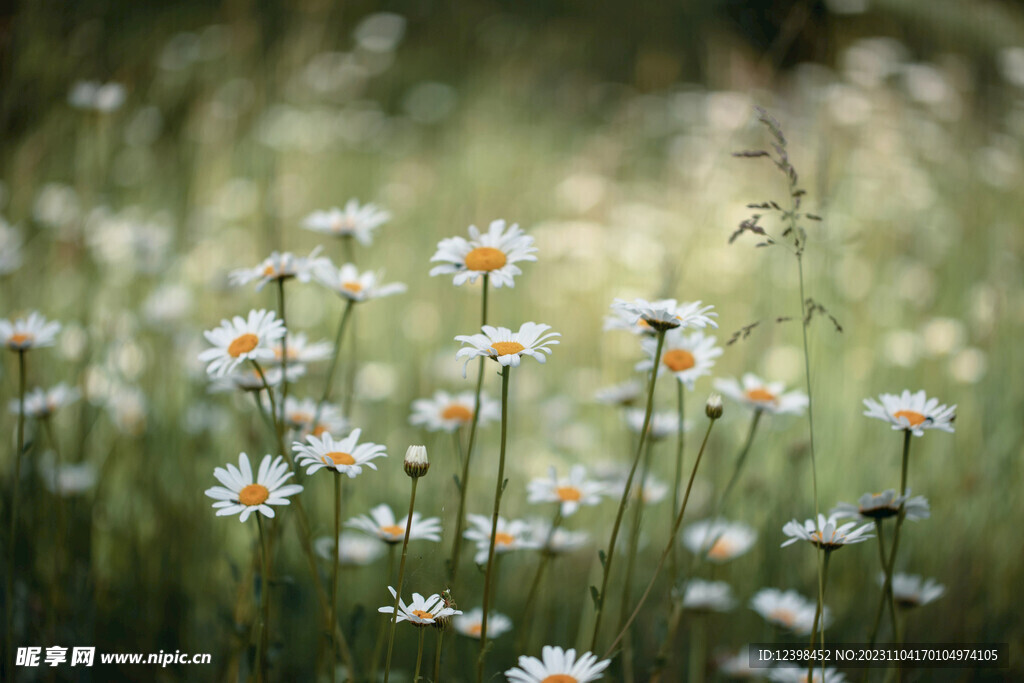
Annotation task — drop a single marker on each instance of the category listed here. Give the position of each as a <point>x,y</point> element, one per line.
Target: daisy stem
<point>419,655</point>
<point>610,554</point>
<point>329,383</point>
<point>284,352</point>
<point>58,532</point>
<point>379,645</point>
<point>627,583</point>
<point>334,573</point>
<point>437,656</point>
<point>880,532</point>
<point>460,519</point>
<point>499,487</point>
<point>13,525</point>
<point>819,616</point>
<point>264,623</point>
<point>531,595</point>
<point>680,445</point>
<point>401,580</point>
<point>698,645</point>
<point>887,588</point>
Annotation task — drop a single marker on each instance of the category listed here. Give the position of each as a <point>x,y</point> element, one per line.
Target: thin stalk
<point>13,525</point>
<point>499,487</point>
<point>401,579</point>
<point>334,574</point>
<point>58,532</point>
<point>284,352</point>
<point>680,445</point>
<point>887,588</point>
<point>419,655</point>
<point>627,583</point>
<point>264,622</point>
<point>531,594</point>
<point>698,645</point>
<point>329,382</point>
<point>879,531</point>
<point>819,613</point>
<point>610,554</point>
<point>378,646</point>
<point>437,656</point>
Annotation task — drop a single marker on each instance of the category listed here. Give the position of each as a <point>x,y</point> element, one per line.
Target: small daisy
<point>756,394</point>
<point>493,253</point>
<point>911,590</point>
<point>510,535</point>
<point>788,609</point>
<point>708,596</point>
<point>507,347</point>
<point>41,404</point>
<point>912,412</point>
<point>884,505</point>
<point>299,415</point>
<point>687,356</point>
<point>242,493</point>
<point>826,534</point>
<point>622,395</point>
<point>562,541</point>
<point>666,314</point>
<point>67,480</point>
<point>651,491</point>
<point>663,423</point>
<point>352,550</point>
<point>719,540</point>
<point>622,319</point>
<point>795,674</point>
<point>737,665</point>
<point>352,221</point>
<point>343,456</point>
<point>10,248</point>
<point>570,492</point>
<point>278,266</point>
<point>247,379</point>
<point>32,332</point>
<point>381,523</point>
<point>240,339</point>
<point>348,283</point>
<point>101,97</point>
<point>558,666</point>
<point>448,412</point>
<point>300,350</point>
<point>420,611</point>
<point>470,624</point>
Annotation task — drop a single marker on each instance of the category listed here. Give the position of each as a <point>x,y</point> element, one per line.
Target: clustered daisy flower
<point>665,314</point>
<point>382,523</point>
<point>558,666</point>
<point>508,347</point>
<point>420,611</point>
<point>687,356</point>
<point>241,339</point>
<point>300,413</point>
<point>448,412</point>
<point>510,535</point>
<point>569,492</point>
<point>788,609</point>
<point>351,285</point>
<point>245,494</point>
<point>826,533</point>
<point>32,332</point>
<point>708,596</point>
<point>911,590</point>
<point>756,394</point>
<point>884,505</point>
<point>911,412</point>
<point>279,266</point>
<point>493,254</point>
<point>343,456</point>
<point>719,540</point>
<point>470,624</point>
<point>42,403</point>
<point>301,350</point>
<point>355,220</point>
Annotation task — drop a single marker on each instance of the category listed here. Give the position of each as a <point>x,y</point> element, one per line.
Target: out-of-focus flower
<point>510,535</point>
<point>351,549</point>
<point>826,533</point>
<point>911,412</point>
<point>708,596</point>
<point>101,97</point>
<point>756,394</point>
<point>381,522</point>
<point>42,403</point>
<point>470,624</point>
<point>884,505</point>
<point>348,283</point>
<point>280,266</point>
<point>32,332</point>
<point>558,666</point>
<point>448,412</point>
<point>355,220</point>
<point>570,493</point>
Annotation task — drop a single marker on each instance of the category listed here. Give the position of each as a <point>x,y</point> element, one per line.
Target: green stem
<point>698,645</point>
<point>531,594</point>
<point>879,531</point>
<point>419,654</point>
<point>329,382</point>
<point>284,353</point>
<point>401,580</point>
<point>378,646</point>
<point>680,445</point>
<point>264,623</point>
<point>334,574</point>
<point>437,656</point>
<point>887,588</point>
<point>819,613</point>
<point>627,582</point>
<point>13,524</point>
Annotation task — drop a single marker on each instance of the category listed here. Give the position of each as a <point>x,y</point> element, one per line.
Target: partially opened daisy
<point>493,254</point>
<point>351,549</point>
<point>756,394</point>
<point>788,609</point>
<point>911,412</point>
<point>420,611</point>
<point>687,356</point>
<point>507,347</point>
<point>343,456</point>
<point>708,596</point>
<point>787,673</point>
<point>32,332</point>
<point>911,590</point>
<point>666,314</point>
<point>719,540</point>
<point>241,339</point>
<point>884,505</point>
<point>826,533</point>
<point>510,535</point>
<point>42,403</point>
<point>300,413</point>
<point>569,492</point>
<point>381,522</point>
<point>351,285</point>
<point>245,494</point>
<point>470,624</point>
<point>355,220</point>
<point>558,666</point>
<point>448,412</point>
<point>278,266</point>
<point>300,350</point>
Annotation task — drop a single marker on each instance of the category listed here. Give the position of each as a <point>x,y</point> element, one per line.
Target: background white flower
<point>756,394</point>
<point>914,412</point>
<point>493,253</point>
<point>352,221</point>
<point>569,492</point>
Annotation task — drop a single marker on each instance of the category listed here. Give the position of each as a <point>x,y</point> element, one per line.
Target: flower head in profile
<point>355,220</point>
<point>301,350</point>
<point>448,412</point>
<point>381,522</point>
<point>508,347</point>
<point>687,356</point>
<point>278,266</point>
<point>493,253</point>
<point>470,624</point>
<point>756,394</point>
<point>884,505</point>
<point>569,492</point>
<point>708,596</point>
<point>300,413</point>
<point>343,456</point>
<point>351,549</point>
<point>241,339</point>
<point>719,540</point>
<point>245,494</point>
<point>826,534</point>
<point>32,332</point>
<point>911,590</point>
<point>665,314</point>
<point>788,609</point>
<point>420,611</point>
<point>351,285</point>
<point>42,403</point>
<point>558,666</point>
<point>911,412</point>
<point>510,535</point>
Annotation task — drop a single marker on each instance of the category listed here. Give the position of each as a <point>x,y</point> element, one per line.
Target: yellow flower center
<point>339,458</point>
<point>475,629</point>
<point>722,549</point>
<point>501,538</point>
<point>393,530</point>
<point>353,287</point>
<point>457,411</point>
<point>568,493</point>
<point>559,678</point>
<point>268,271</point>
<point>760,394</point>
<point>320,430</point>
<point>783,616</point>
<point>244,344</point>
<point>423,615</point>
<point>485,259</point>
<point>678,360</point>
<point>20,338</point>
<point>253,494</point>
<point>300,418</point>
<point>507,348</point>
<point>913,417</point>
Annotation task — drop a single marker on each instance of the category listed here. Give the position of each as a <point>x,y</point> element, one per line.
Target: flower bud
<point>416,464</point>
<point>713,408</point>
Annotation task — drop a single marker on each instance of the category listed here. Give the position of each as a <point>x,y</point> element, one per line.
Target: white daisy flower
<point>510,535</point>
<point>351,550</point>
<point>666,314</point>
<point>687,356</point>
<point>826,533</point>
<point>756,394</point>
<point>352,221</point>
<point>247,379</point>
<point>420,611</point>
<point>10,248</point>
<point>32,332</point>
<point>562,541</point>
<point>788,609</point>
<point>708,596</point>
<point>342,456</point>
<point>650,491</point>
<point>279,266</point>
<point>507,347</point>
<point>448,412</point>
<point>348,283</point>
<point>493,253</point>
<point>67,480</point>
<point>301,350</point>
<point>558,666</point>
<point>663,423</point>
<point>911,590</point>
<point>794,674</point>
<point>737,665</point>
<point>240,339</point>
<point>470,624</point>
<point>912,412</point>
<point>299,415</point>
<point>244,494</point>
<point>884,505</point>
<point>42,403</point>
<point>623,319</point>
<point>719,540</point>
<point>570,492</point>
<point>381,523</point>
<point>623,395</point>
<point>101,97</point>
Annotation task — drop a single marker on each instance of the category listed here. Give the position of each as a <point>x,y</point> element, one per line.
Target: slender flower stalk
<point>284,353</point>
<point>531,595</point>
<point>378,645</point>
<point>818,612</point>
<point>13,525</point>
<point>437,655</point>
<point>336,561</point>
<point>678,480</point>
<point>263,629</point>
<point>887,593</point>
<point>419,656</point>
<point>698,647</point>
<point>879,531</point>
<point>627,582</point>
<point>329,382</point>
